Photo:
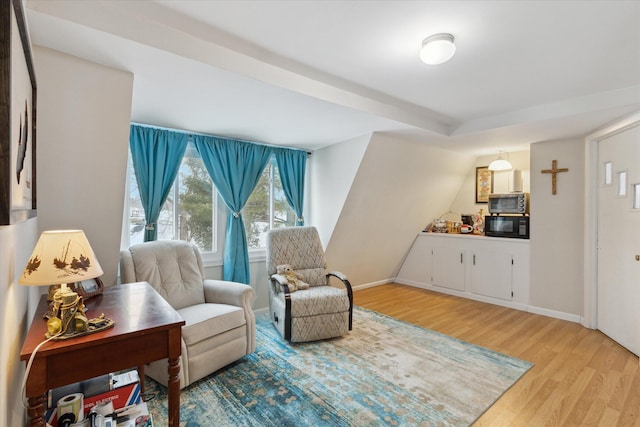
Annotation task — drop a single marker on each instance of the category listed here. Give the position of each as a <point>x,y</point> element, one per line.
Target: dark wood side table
<point>146,329</point>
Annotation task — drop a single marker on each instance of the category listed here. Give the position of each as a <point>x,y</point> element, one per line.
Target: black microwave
<point>512,226</point>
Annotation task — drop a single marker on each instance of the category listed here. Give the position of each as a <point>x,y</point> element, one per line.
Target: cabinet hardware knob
<point>637,257</point>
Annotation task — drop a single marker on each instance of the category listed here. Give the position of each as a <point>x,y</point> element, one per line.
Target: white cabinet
<point>492,274</point>
<point>448,267</point>
<point>484,268</point>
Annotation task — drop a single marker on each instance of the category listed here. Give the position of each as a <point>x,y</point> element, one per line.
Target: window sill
<point>257,255</point>
<point>212,259</point>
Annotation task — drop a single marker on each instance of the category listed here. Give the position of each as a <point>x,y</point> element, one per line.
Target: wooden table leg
<point>174,392</point>
<point>141,376</point>
<point>35,411</point>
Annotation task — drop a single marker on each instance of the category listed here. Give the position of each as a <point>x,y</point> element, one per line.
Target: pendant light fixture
<point>437,49</point>
<point>500,164</point>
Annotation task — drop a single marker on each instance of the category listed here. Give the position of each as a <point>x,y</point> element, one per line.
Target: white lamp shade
<point>61,256</point>
<point>500,164</point>
<point>437,49</point>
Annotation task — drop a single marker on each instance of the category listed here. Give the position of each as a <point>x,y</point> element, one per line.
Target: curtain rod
<point>250,142</point>
<point>191,134</point>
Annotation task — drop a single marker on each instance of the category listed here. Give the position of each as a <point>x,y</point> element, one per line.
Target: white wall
<point>83,132</point>
<point>332,172</point>
<point>17,305</point>
<point>84,112</point>
<point>557,225</point>
<point>399,188</point>
<point>464,202</point>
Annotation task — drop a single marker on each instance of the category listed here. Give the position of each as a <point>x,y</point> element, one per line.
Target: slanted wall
<point>399,188</point>
<point>332,171</point>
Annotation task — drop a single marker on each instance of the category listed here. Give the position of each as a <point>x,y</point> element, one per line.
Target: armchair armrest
<point>231,293</point>
<point>127,269</point>
<point>347,285</point>
<point>280,283</point>
<point>338,274</point>
<point>343,279</point>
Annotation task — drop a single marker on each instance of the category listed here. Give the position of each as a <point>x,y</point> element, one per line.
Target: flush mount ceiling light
<point>437,49</point>
<point>500,164</point>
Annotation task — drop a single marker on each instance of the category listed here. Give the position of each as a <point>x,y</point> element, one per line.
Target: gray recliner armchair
<point>220,325</point>
<point>320,312</point>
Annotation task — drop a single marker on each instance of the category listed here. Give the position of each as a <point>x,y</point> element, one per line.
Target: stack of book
<point>115,396</point>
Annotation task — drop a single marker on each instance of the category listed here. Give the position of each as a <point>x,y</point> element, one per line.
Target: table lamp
<point>62,257</point>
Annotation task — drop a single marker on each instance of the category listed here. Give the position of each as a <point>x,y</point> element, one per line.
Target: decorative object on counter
<point>63,257</point>
<point>439,226</point>
<point>554,171</point>
<point>484,184</point>
<point>448,222</point>
<point>500,164</point>
<point>466,228</point>
<point>453,227</point>
<point>467,224</point>
<point>478,222</point>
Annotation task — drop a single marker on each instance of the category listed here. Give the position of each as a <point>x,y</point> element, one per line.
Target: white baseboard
<point>556,314</point>
<point>509,304</point>
<point>372,284</point>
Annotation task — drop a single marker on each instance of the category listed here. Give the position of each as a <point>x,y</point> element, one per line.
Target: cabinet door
<point>448,268</point>
<point>417,266</point>
<point>491,274</point>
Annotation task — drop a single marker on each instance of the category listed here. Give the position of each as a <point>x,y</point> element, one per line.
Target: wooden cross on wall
<point>554,172</point>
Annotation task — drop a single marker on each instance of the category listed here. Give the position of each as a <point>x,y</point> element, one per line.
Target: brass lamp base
<point>66,317</point>
<point>102,324</point>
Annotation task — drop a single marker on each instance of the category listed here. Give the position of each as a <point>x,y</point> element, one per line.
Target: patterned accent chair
<point>220,326</point>
<point>320,312</point>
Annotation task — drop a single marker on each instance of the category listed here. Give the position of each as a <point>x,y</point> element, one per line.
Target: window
<point>608,171</point>
<point>189,211</point>
<point>267,208</point>
<point>198,213</point>
<point>622,184</point>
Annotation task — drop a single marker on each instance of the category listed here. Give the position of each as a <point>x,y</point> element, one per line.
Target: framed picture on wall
<point>484,184</point>
<point>17,117</point>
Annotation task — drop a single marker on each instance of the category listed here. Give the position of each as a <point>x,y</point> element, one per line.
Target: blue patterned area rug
<point>384,372</point>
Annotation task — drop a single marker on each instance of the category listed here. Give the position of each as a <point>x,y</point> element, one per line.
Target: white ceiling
<point>314,73</point>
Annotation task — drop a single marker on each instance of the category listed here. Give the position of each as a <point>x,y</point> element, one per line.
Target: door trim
<point>590,306</point>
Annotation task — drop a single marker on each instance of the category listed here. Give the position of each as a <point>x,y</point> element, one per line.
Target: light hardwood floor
<point>580,377</point>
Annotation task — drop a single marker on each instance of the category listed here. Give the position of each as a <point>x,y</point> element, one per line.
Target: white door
<point>619,238</point>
